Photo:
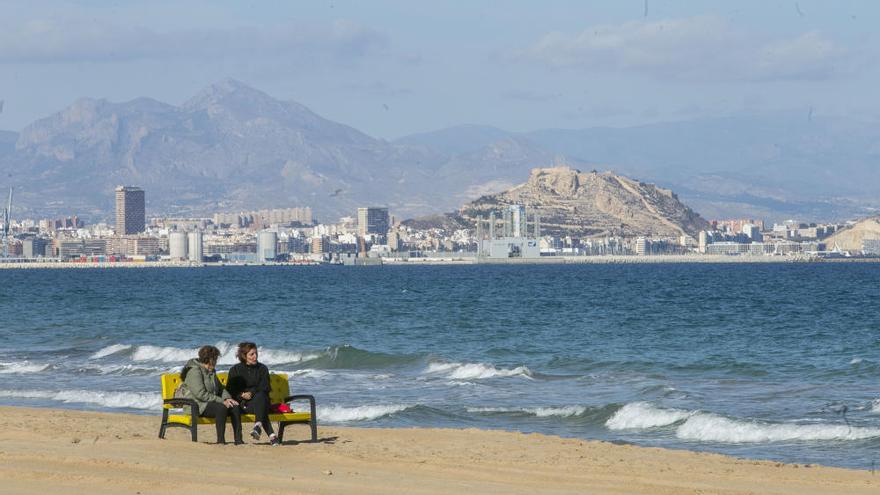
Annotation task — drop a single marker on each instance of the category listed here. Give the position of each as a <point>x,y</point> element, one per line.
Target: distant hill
<point>233,147</point>
<point>850,239</point>
<point>572,202</point>
<point>775,166</point>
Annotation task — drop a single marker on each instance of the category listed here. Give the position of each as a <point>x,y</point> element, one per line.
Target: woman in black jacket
<point>249,384</point>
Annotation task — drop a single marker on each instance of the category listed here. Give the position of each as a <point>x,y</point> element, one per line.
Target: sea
<point>760,361</point>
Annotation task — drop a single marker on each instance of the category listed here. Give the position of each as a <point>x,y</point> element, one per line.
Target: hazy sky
<point>394,68</point>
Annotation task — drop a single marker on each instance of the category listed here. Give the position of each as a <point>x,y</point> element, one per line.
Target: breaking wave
<point>541,412</point>
<point>147,353</point>
<point>22,367</point>
<point>709,427</point>
<point>642,415</point>
<point>713,428</point>
<point>475,371</point>
<point>340,414</point>
<point>114,400</point>
<point>109,350</point>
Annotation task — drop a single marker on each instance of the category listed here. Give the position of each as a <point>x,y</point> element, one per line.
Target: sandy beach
<point>73,452</point>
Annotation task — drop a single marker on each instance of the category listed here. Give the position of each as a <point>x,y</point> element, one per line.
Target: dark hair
<point>243,349</point>
<point>208,354</point>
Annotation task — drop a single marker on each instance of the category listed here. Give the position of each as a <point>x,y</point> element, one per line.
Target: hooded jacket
<point>202,385</point>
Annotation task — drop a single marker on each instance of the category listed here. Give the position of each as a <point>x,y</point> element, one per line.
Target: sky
<point>392,68</point>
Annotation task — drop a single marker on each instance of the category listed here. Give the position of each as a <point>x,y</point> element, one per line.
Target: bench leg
<point>314,425</point>
<point>164,425</point>
<point>281,426</point>
<point>194,423</point>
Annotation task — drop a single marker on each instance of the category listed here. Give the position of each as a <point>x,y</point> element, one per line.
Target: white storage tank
<point>195,246</point>
<point>266,246</point>
<point>177,246</point>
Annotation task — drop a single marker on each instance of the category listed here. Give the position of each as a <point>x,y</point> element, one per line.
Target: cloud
<point>695,48</point>
<point>51,41</point>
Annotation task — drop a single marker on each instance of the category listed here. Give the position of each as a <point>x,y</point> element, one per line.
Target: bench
<point>280,394</point>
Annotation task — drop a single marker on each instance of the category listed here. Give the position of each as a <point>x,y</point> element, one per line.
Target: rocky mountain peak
<point>572,202</point>
<point>228,92</point>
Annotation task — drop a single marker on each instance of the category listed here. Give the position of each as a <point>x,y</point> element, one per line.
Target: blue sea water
<point>757,361</point>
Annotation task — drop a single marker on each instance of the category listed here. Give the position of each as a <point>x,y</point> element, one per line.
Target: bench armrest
<point>310,398</point>
<point>179,402</point>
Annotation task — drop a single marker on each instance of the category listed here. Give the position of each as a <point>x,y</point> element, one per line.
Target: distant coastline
<point>463,260</point>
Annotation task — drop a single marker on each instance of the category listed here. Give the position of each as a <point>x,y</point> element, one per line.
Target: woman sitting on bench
<point>200,383</point>
<point>249,383</point>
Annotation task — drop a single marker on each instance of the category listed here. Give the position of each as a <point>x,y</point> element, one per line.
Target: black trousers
<point>259,407</point>
<point>220,412</point>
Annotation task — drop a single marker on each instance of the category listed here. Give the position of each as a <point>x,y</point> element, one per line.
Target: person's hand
<point>230,403</point>
<point>247,395</point>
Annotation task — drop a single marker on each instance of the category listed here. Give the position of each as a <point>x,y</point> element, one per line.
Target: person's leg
<point>260,406</point>
<point>219,412</point>
<point>235,412</point>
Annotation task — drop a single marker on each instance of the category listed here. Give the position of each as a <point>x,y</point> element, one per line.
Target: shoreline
<point>67,451</point>
<point>466,260</point>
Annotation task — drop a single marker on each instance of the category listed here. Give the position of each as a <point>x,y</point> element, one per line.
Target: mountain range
<point>232,147</point>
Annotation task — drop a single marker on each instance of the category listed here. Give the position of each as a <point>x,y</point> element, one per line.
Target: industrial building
<point>513,240</point>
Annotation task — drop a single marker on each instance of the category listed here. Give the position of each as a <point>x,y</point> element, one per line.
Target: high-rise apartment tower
<point>130,215</point>
<point>373,220</point>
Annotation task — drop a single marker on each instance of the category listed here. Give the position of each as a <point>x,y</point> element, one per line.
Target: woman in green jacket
<point>200,383</point>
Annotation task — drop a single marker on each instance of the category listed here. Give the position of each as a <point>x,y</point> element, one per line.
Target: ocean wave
<point>856,360</point>
<point>126,369</point>
<point>22,367</point>
<point>340,414</point>
<point>113,400</point>
<point>642,415</point>
<point>349,357</point>
<point>475,371</point>
<point>304,373</point>
<point>168,354</point>
<point>875,406</point>
<point>541,412</point>
<point>110,350</point>
<point>707,427</point>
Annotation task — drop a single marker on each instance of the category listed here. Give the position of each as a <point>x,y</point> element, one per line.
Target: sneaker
<point>257,431</point>
<point>273,440</point>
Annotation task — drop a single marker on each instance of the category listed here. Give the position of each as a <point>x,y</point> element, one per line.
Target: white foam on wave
<point>110,350</point>
<point>875,406</point>
<point>22,367</point>
<point>641,415</point>
<point>125,400</point>
<point>856,360</point>
<point>274,356</point>
<point>476,371</point>
<point>541,412</point>
<point>165,354</point>
<point>340,414</point>
<point>305,373</point>
<point>706,427</point>
<point>128,369</point>
<point>169,354</point>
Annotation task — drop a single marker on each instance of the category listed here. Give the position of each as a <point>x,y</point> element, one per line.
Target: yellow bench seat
<point>185,419</point>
